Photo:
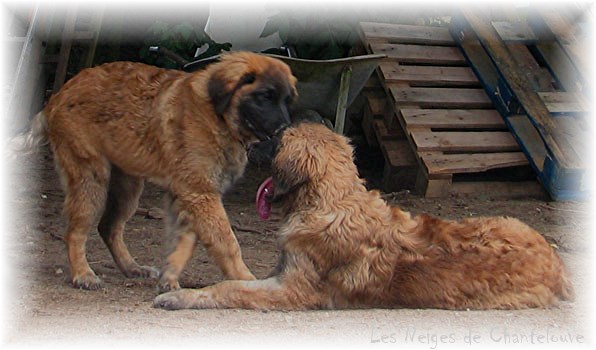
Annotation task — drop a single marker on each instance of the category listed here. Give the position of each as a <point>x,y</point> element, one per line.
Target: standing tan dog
<point>115,125</point>
<point>344,247</point>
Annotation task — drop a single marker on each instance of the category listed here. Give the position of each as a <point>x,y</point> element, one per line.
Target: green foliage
<point>313,36</point>
<point>183,39</point>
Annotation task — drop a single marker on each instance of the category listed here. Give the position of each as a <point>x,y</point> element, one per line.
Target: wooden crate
<point>447,118</point>
<point>533,72</point>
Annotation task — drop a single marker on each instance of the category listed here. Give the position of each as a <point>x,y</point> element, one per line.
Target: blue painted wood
<point>560,182</point>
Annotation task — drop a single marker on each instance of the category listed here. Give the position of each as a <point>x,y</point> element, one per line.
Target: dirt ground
<point>43,309</point>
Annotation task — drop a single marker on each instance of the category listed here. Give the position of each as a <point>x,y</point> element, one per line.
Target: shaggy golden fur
<point>115,125</point>
<point>344,247</point>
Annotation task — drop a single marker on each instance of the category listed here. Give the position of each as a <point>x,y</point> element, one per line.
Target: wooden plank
<point>382,132</point>
<point>529,140</point>
<point>499,189</point>
<point>368,117</point>
<point>376,104</point>
<point>406,34</point>
<point>65,47</point>
<point>478,58</point>
<point>561,67</point>
<point>400,165</point>
<point>438,186</point>
<point>453,118</point>
<point>471,163</point>
<point>539,78</point>
<point>519,32</point>
<point>391,119</point>
<point>398,153</point>
<point>422,76</point>
<point>579,135</point>
<point>531,102</point>
<point>420,54</point>
<point>440,97</point>
<point>453,141</point>
<point>565,102</point>
<point>564,33</point>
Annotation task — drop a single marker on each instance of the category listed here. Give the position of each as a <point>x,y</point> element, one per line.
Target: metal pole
<point>342,99</point>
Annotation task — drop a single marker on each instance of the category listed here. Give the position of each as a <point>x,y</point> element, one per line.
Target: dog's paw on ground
<point>88,281</point>
<point>184,299</point>
<point>171,301</point>
<point>142,272</point>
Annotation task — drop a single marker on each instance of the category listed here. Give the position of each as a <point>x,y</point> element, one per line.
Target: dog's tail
<point>30,141</point>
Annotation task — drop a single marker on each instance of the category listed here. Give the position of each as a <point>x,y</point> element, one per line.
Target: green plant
<point>183,39</point>
<point>313,36</point>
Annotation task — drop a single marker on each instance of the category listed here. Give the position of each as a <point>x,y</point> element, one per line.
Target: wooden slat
<point>496,189</point>
<point>440,97</point>
<point>406,34</point>
<point>515,32</point>
<point>471,163</point>
<point>437,185</point>
<point>564,102</point>
<point>382,132</point>
<point>564,33</point>
<point>480,62</point>
<point>561,66</point>
<point>419,76</point>
<point>453,118</point>
<point>447,141</point>
<point>529,139</point>
<point>420,54</point>
<point>398,153</point>
<point>539,78</point>
<point>65,47</point>
<point>376,104</point>
<point>579,135</point>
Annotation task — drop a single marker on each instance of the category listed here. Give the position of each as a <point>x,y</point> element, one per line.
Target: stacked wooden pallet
<point>534,71</point>
<point>436,107</point>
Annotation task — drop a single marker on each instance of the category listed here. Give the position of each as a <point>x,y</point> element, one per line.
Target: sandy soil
<point>43,309</point>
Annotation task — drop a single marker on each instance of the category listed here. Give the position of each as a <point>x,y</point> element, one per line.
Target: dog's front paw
<point>184,299</point>
<point>88,281</point>
<point>165,286</point>
<point>168,281</point>
<point>141,272</point>
<point>170,301</point>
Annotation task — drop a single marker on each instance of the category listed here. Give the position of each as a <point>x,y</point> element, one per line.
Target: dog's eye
<point>266,95</point>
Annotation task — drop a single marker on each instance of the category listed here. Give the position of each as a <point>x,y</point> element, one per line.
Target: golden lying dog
<point>344,247</point>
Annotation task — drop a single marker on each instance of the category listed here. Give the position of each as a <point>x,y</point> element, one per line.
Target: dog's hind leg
<point>123,198</point>
<point>85,182</point>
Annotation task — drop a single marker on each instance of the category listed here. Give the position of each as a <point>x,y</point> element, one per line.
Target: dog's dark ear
<point>220,94</point>
<point>287,181</point>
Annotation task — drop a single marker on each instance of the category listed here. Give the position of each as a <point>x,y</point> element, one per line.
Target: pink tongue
<point>264,207</point>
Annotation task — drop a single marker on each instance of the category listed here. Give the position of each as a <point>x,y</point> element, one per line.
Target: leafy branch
<point>183,39</point>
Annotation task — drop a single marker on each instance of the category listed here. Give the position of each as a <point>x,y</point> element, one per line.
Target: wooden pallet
<point>534,76</point>
<point>448,120</point>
